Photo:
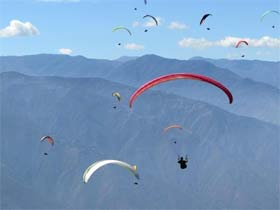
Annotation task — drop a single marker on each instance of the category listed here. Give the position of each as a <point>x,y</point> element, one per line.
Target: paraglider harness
<point>182,162</point>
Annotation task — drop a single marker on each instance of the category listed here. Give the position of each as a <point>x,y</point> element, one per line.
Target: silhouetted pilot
<point>182,162</point>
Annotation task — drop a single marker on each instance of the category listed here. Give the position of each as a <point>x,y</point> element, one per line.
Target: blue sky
<point>84,27</point>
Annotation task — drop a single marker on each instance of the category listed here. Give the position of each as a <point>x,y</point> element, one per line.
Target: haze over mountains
<point>252,98</point>
<point>233,149</point>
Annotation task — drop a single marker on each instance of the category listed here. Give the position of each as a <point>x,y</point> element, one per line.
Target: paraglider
<point>122,28</point>
<point>183,162</point>
<point>176,76</point>
<point>269,12</point>
<point>97,165</point>
<point>172,126</point>
<point>156,22</point>
<point>204,18</point>
<point>240,42</point>
<point>117,95</point>
<point>48,138</point>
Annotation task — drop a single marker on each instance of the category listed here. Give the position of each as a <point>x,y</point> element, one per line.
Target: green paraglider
<point>122,28</point>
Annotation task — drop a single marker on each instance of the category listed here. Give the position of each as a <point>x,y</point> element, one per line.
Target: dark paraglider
<point>204,18</point>
<point>150,16</point>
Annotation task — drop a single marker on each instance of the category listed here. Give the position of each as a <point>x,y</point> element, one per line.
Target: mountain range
<point>233,158</point>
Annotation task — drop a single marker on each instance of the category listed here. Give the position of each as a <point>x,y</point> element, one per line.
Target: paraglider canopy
<point>117,95</point>
<point>240,42</point>
<point>48,138</point>
<point>204,18</point>
<point>172,127</point>
<point>156,22</point>
<point>176,76</point>
<point>269,12</point>
<point>95,166</point>
<point>122,28</point>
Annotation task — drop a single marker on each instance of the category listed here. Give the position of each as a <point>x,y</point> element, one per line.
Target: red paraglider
<point>48,138</point>
<point>240,42</point>
<point>176,76</point>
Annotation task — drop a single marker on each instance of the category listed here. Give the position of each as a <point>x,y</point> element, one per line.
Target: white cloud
<point>151,22</point>
<point>194,43</point>
<point>229,41</point>
<point>133,46</point>
<point>59,1</point>
<point>135,24</point>
<point>177,25</point>
<point>65,51</point>
<point>18,28</point>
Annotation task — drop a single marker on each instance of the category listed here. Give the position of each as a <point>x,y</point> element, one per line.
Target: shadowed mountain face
<point>251,98</point>
<point>233,160</point>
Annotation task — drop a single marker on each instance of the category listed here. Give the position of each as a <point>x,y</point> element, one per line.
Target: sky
<point>84,27</point>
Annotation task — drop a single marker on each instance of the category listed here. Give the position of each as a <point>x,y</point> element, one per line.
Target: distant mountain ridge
<point>126,58</point>
<point>251,98</point>
<point>261,71</point>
